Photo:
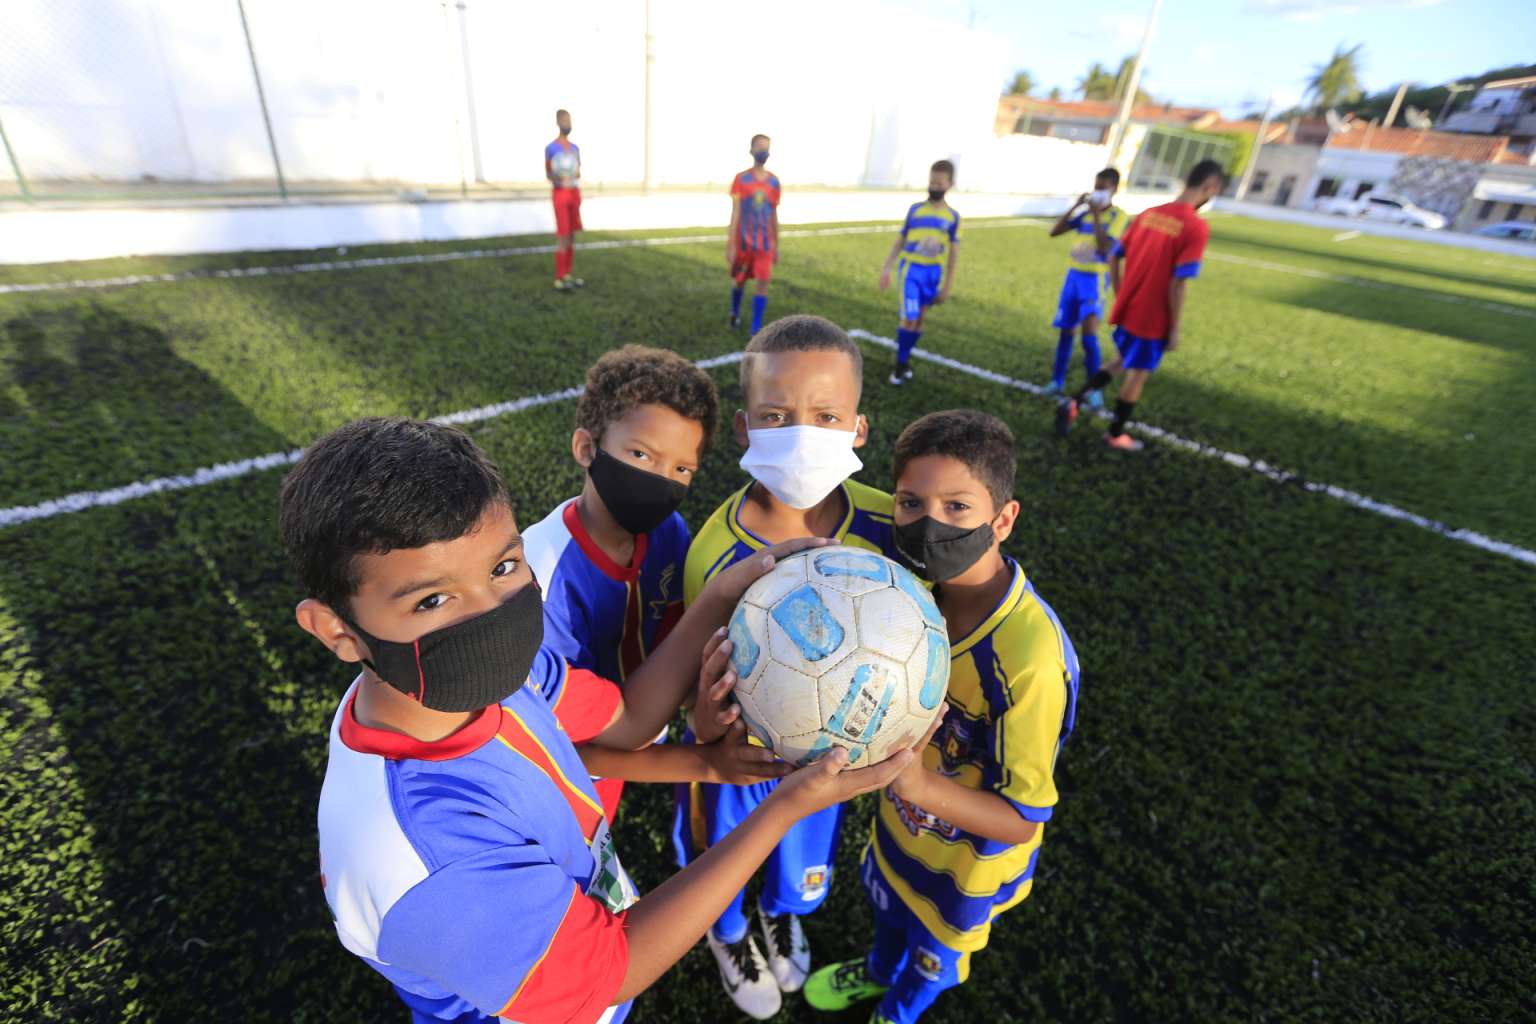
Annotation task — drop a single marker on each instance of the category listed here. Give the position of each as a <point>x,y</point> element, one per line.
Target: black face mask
<point>468,665</point>
<point>639,501</point>
<point>937,551</point>
<point>936,195</point>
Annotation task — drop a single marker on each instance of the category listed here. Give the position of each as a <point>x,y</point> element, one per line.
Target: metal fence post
<point>469,93</point>
<point>261,97</point>
<point>10,153</point>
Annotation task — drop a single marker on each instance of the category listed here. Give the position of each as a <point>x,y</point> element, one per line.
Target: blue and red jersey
<point>600,615</point>
<point>759,198</point>
<point>477,873</point>
<point>1163,243</point>
<point>562,159</point>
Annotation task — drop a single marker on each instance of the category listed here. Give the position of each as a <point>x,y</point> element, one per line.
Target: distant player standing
<point>562,166</point>
<point>1093,219</point>
<point>752,244</point>
<point>1162,251</point>
<point>926,249</point>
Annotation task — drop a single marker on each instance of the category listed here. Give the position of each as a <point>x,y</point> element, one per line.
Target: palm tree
<point>1097,84</point>
<point>1337,81</point>
<point>1022,85</point>
<point>1123,80</point>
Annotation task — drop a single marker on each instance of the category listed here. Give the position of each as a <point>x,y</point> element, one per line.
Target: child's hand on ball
<point>911,783</point>
<point>729,585</point>
<point>735,760</point>
<point>713,710</point>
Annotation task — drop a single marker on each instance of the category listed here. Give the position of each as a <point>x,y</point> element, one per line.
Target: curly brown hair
<point>637,375</point>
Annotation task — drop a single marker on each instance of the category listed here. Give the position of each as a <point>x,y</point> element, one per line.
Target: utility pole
<point>469,92</point>
<point>1129,99</point>
<point>1397,102</point>
<point>1450,97</point>
<point>650,61</point>
<point>1258,145</point>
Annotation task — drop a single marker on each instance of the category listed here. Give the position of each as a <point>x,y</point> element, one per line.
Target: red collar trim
<point>613,570</point>
<point>397,746</point>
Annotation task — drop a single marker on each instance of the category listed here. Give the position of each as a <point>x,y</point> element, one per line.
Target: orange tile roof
<point>1477,149</point>
<point>1010,108</point>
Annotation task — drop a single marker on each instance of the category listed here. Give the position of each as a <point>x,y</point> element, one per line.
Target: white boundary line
<point>1264,469</point>
<point>419,259</point>
<point>83,500</point>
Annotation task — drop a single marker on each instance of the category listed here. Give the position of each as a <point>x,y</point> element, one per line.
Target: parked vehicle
<point>1520,230</point>
<point>1382,207</point>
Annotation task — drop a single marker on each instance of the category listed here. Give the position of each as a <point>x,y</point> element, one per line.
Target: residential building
<point>1506,107</point>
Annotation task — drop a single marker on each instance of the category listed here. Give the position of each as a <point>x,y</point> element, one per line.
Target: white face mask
<point>800,465</point>
<point>1099,198</point>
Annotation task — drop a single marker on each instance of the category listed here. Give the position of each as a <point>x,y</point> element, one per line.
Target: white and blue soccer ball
<point>563,164</point>
<point>839,647</point>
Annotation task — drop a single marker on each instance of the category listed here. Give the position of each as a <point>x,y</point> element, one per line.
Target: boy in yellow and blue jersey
<point>801,381</point>
<point>956,837</point>
<point>1093,221</point>
<point>926,249</point>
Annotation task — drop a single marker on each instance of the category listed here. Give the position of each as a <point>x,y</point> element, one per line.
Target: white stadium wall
<point>373,90</point>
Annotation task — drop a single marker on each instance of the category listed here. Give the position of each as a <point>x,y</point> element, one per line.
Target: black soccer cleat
<point>1066,415</point>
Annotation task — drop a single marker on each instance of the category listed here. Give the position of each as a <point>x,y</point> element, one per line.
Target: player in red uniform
<point>562,166</point>
<point>752,244</point>
<point>1162,250</point>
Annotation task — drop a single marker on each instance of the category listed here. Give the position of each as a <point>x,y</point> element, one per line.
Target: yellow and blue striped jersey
<point>723,540</point>
<point>928,233</point>
<point>1085,255</point>
<point>1012,701</point>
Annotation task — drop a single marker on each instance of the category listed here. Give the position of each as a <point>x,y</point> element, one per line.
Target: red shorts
<point>755,265</point>
<point>567,210</point>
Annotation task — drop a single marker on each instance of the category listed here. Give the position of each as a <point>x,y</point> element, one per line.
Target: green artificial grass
<point>1301,786</point>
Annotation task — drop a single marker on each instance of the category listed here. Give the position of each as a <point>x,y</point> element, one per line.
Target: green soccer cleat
<point>836,987</point>
<point>878,1018</point>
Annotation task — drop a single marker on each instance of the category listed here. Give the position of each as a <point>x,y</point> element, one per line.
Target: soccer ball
<point>838,647</point>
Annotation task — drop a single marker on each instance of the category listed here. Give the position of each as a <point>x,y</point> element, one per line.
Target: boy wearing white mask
<point>801,381</point>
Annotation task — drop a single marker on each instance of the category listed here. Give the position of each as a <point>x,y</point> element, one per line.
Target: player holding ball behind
<point>562,166</point>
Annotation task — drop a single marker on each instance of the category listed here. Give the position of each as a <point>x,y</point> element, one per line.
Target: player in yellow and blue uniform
<point>1093,222</point>
<point>926,249</point>
<point>956,838</point>
<point>801,381</point>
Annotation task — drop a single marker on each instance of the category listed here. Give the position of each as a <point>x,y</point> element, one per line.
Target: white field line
<point>1264,469</point>
<point>83,500</point>
<point>418,259</point>
<point>1344,236</point>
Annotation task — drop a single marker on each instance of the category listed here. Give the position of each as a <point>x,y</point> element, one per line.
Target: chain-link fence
<point>245,100</point>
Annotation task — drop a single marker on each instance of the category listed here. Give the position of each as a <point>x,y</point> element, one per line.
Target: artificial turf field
<point>1303,783</point>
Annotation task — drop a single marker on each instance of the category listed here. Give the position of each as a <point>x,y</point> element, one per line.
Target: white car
<point>1386,208</point>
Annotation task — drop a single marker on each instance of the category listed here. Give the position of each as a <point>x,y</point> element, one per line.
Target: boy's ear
<point>861,431</point>
<point>583,447</point>
<point>1002,523</point>
<point>319,621</point>
<point>739,427</point>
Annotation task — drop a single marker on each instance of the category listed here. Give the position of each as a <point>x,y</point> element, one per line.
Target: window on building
<point>1327,187</point>
<point>1364,187</point>
<point>1287,186</point>
<point>1486,210</point>
<point>1515,210</point>
<point>1260,179</point>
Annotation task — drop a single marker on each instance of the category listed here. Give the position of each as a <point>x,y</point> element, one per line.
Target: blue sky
<point>1231,53</point>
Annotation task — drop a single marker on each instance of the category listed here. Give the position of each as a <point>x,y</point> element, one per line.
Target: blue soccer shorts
<point>919,286</point>
<point>1079,300</point>
<point>1139,353</point>
<point>905,954</point>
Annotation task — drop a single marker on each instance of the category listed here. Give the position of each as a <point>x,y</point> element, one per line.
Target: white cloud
<point>1312,10</point>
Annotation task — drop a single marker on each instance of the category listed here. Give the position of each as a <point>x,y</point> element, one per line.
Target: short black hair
<point>1110,173</point>
<point>562,110</point>
<point>981,441</point>
<point>377,485</point>
<point>945,166</point>
<point>637,375</point>
<point>753,143</point>
<point>800,332</point>
<point>1203,172</point>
